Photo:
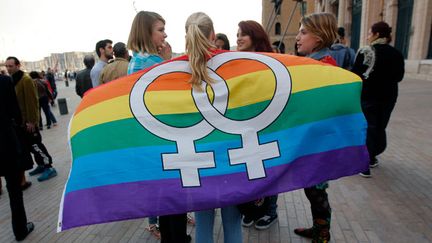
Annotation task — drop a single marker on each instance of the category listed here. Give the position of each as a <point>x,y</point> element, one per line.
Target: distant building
<point>72,61</point>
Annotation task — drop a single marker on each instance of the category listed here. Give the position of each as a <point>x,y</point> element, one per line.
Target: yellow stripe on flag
<point>255,87</point>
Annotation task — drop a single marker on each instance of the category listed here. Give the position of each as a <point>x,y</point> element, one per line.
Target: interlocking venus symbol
<point>187,160</point>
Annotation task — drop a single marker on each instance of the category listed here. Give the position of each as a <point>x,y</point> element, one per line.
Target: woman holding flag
<point>316,34</point>
<point>200,37</point>
<point>251,36</point>
<point>148,45</point>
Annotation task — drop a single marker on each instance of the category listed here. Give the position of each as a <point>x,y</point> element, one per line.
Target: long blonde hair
<point>199,27</point>
<point>140,36</point>
<point>322,25</point>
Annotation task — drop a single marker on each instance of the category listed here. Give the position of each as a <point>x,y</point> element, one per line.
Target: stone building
<point>280,19</point>
<point>411,22</point>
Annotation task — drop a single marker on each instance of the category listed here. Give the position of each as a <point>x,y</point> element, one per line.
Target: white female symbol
<point>252,153</point>
<point>187,160</point>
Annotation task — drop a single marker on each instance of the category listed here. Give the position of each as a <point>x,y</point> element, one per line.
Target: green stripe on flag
<point>303,107</point>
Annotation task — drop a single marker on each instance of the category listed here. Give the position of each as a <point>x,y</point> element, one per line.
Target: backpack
<point>343,55</point>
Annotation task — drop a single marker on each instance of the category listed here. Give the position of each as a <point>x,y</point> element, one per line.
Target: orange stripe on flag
<point>179,81</point>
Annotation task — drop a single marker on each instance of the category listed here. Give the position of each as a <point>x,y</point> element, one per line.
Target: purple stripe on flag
<point>154,198</point>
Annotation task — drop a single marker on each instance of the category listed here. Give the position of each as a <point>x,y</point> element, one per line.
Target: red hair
<point>256,32</point>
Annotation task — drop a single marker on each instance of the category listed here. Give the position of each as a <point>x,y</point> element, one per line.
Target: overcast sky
<point>33,29</point>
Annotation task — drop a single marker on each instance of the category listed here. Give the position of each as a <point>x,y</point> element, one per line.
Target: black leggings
<point>320,205</point>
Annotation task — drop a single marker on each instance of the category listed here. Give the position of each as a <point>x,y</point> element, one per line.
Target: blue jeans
<point>231,222</point>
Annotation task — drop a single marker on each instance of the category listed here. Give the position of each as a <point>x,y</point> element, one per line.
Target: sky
<point>33,29</point>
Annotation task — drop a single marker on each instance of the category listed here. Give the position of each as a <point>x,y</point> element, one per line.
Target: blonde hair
<point>199,27</point>
<point>140,36</point>
<point>322,25</point>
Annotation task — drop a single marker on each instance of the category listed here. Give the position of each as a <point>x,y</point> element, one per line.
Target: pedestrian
<point>44,100</point>
<point>118,67</point>
<point>105,53</point>
<point>11,164</point>
<point>381,68</point>
<point>51,79</point>
<point>83,80</point>
<point>25,91</point>
<point>222,42</point>
<point>28,103</point>
<point>316,35</point>
<point>251,36</point>
<point>343,55</point>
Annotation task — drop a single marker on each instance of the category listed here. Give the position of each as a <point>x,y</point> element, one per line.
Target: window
<point>277,29</point>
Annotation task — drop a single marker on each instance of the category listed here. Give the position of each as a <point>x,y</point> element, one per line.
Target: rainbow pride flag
<point>149,144</point>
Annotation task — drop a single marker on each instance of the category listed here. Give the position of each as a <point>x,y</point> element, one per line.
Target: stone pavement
<point>393,206</point>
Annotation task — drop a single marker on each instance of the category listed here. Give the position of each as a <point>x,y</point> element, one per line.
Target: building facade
<point>72,61</point>
<point>281,21</point>
<point>411,22</point>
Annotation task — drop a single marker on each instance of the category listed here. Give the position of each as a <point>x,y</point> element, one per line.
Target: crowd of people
<point>23,95</point>
<point>379,65</point>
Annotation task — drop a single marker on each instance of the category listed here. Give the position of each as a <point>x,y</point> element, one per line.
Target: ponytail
<point>198,29</point>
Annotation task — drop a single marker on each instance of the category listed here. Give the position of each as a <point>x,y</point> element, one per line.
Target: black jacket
<point>382,83</point>
<point>83,82</point>
<point>10,116</point>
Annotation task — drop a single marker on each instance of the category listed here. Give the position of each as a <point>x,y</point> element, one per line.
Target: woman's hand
<point>30,127</point>
<point>165,51</point>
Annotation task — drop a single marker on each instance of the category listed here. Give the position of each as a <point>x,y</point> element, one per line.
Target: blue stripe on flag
<point>144,163</point>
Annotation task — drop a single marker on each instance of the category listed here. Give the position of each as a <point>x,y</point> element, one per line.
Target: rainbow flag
<point>149,144</point>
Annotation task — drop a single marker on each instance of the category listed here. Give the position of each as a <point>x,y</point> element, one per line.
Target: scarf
<point>17,77</point>
<point>369,55</point>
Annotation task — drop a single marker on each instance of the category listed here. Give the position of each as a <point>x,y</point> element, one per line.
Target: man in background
<point>118,67</point>
<point>105,53</point>
<point>29,105</point>
<point>83,80</point>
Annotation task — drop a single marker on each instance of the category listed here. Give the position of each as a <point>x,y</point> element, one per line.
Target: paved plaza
<point>395,205</point>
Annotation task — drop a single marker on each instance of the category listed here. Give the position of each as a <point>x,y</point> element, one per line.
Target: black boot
<point>319,233</point>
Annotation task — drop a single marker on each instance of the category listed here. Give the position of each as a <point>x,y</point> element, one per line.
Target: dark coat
<point>10,117</point>
<point>382,83</point>
<point>83,82</point>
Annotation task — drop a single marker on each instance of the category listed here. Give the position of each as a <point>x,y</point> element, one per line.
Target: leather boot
<point>319,233</point>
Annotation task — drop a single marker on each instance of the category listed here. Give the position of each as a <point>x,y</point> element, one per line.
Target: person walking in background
<point>105,53</point>
<point>44,100</point>
<point>200,37</point>
<point>51,79</point>
<point>147,41</point>
<point>316,34</point>
<point>83,80</point>
<point>381,67</point>
<point>118,67</point>
<point>28,103</point>
<point>343,55</point>
<point>12,154</point>
<point>222,42</point>
<point>251,36</point>
<point>66,77</point>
